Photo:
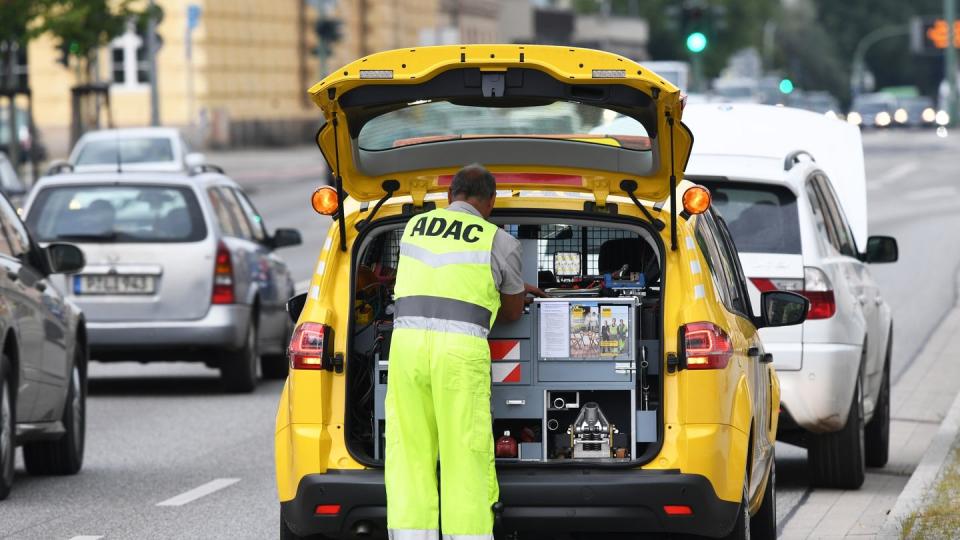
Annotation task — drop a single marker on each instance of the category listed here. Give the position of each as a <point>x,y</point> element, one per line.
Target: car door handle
<point>13,276</point>
<point>516,402</point>
<point>753,352</point>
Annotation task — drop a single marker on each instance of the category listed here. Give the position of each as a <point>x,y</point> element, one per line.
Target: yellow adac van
<point>637,397</point>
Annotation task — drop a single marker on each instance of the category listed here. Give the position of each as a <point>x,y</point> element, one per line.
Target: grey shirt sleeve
<point>505,262</point>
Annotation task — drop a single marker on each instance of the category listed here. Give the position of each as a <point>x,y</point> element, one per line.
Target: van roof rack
<point>794,157</point>
<point>59,168</point>
<point>204,168</point>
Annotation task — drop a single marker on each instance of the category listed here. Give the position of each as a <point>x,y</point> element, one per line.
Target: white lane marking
<point>302,285</point>
<point>931,193</point>
<point>86,537</point>
<point>897,173</point>
<point>199,491</point>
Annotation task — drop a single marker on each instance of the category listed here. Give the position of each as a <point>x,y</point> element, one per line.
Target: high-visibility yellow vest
<point>444,279</point>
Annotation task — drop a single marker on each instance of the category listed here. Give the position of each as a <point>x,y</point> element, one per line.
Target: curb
<point>916,493</point>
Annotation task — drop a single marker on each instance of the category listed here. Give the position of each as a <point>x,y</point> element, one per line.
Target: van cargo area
<point>576,380</point>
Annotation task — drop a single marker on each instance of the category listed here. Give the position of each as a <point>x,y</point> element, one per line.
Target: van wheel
<point>764,523</point>
<point>275,366</point>
<point>238,369</point>
<point>836,460</point>
<point>878,429</point>
<point>741,529</point>
<point>64,455</point>
<point>7,422</point>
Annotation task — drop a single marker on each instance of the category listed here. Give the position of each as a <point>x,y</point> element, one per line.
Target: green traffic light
<point>786,86</point>
<point>696,42</point>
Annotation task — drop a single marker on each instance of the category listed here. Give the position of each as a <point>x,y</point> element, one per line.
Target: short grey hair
<point>473,181</point>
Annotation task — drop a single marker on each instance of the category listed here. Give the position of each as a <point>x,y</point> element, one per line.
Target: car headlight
<point>942,118</point>
<point>882,119</point>
<point>855,118</point>
<point>901,116</point>
<point>830,114</point>
<point>929,115</point>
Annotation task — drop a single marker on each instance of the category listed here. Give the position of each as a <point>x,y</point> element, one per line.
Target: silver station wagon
<point>179,267</point>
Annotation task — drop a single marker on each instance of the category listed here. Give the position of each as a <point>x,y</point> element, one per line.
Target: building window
<point>128,57</point>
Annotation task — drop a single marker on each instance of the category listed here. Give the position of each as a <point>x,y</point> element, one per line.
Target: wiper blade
<point>80,237</point>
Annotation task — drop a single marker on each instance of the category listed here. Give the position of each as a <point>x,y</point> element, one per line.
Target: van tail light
<point>223,276</point>
<point>706,346</point>
<point>310,346</point>
<point>815,285</point>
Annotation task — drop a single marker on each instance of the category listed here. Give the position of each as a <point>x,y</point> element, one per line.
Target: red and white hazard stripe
<point>502,351</point>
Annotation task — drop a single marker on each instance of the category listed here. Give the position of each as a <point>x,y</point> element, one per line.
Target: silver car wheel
<point>77,406</point>
<point>6,431</point>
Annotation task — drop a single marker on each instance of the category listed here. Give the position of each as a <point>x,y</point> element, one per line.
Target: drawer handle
<point>516,402</point>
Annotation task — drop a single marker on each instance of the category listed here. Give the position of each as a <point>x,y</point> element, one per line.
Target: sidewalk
<point>253,166</point>
<point>920,400</point>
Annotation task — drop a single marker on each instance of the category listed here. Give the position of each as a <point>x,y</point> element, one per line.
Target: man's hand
<point>532,290</point>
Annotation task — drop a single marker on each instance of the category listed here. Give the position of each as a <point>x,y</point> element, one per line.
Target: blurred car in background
<point>792,187</point>
<point>10,184</point>
<point>30,147</point>
<point>872,110</point>
<point>43,365</point>
<point>179,267</point>
<point>134,149</point>
<point>815,101</point>
<point>915,111</point>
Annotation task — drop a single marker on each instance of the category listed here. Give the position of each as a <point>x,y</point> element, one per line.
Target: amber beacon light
<point>324,201</point>
<point>696,200</point>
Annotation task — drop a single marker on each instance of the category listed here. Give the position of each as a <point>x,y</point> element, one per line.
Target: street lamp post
<point>152,60</point>
<point>950,58</point>
<point>869,40</point>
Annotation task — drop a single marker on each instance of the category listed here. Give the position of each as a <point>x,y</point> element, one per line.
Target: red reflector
<point>677,510</point>
<point>327,509</point>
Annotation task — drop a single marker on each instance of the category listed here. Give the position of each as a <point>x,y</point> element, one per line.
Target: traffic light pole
<point>950,58</point>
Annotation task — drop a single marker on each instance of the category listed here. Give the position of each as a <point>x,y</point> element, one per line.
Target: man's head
<point>475,185</point>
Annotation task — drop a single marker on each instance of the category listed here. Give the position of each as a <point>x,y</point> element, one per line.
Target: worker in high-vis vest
<point>457,274</point>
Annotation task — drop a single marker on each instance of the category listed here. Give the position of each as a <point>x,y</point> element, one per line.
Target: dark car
<point>43,356</point>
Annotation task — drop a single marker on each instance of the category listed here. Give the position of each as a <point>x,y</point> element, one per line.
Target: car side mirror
<point>295,306</point>
<point>881,249</point>
<point>194,159</point>
<point>285,237</point>
<point>781,308</point>
<point>64,258</point>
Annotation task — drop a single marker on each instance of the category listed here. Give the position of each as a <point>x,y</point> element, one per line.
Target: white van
<point>791,186</point>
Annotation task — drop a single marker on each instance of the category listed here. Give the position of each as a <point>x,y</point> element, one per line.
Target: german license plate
<point>113,284</point>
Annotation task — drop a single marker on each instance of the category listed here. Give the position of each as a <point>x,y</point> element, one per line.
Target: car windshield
<point>126,150</point>
<point>442,121</point>
<point>761,219</point>
<point>112,213</point>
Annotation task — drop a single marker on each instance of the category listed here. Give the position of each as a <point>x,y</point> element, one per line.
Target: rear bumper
<point>224,326</point>
<point>818,396</point>
<point>541,500</point>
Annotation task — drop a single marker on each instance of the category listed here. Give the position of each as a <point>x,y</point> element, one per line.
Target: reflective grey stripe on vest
<point>437,307</point>
<point>414,534</point>
<point>468,537</point>
<point>437,260</point>
<point>441,325</point>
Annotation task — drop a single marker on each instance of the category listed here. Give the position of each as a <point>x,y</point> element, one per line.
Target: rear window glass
<point>761,219</point>
<point>110,213</point>
<point>443,121</point>
<point>126,150</point>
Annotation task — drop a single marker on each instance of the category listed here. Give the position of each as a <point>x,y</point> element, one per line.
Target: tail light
<point>310,346</point>
<point>706,346</point>
<point>815,285</point>
<point>223,276</point>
